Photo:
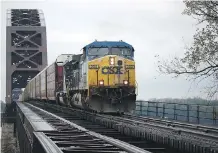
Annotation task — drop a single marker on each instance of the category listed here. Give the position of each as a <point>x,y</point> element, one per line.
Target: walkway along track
<point>185,140</point>
<point>73,138</point>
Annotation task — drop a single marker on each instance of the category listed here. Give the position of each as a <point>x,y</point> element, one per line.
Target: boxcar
<point>34,89</point>
<point>43,85</point>
<point>37,80</point>
<point>51,81</point>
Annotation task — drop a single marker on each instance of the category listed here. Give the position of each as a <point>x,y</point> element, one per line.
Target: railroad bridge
<point>46,128</point>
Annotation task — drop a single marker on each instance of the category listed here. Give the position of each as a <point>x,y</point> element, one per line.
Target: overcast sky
<point>153,27</point>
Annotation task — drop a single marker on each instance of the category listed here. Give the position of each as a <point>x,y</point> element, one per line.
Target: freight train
<point>100,79</point>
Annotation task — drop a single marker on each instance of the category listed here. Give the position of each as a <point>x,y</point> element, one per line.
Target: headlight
<point>101,82</point>
<point>125,82</point>
<point>111,60</point>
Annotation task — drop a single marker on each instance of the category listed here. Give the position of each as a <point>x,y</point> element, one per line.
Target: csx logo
<point>112,70</point>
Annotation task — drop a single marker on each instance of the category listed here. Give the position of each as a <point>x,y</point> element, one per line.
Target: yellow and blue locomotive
<point>101,79</point>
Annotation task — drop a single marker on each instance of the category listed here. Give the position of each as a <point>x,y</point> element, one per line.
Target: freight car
<point>101,79</point>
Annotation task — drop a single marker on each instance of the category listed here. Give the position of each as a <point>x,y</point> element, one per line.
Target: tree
<point>201,58</point>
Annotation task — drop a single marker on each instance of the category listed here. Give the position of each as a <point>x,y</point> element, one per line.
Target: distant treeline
<point>195,100</point>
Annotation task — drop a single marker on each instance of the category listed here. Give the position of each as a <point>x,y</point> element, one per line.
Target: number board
<point>93,66</point>
<point>130,66</point>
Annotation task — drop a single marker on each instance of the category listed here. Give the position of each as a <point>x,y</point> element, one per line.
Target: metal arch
<point>26,48</point>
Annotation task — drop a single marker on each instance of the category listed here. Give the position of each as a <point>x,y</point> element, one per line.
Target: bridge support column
<point>26,50</point>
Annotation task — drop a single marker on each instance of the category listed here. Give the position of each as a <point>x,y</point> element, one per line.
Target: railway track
<point>110,132</point>
<point>70,137</point>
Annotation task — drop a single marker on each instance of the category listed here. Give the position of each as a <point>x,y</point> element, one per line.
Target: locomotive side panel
<point>51,81</point>
<point>83,75</point>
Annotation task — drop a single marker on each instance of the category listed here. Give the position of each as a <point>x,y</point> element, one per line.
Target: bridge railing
<point>192,113</point>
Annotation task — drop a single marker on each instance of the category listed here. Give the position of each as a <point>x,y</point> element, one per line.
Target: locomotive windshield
<point>98,51</point>
<point>113,51</point>
<point>121,51</point>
